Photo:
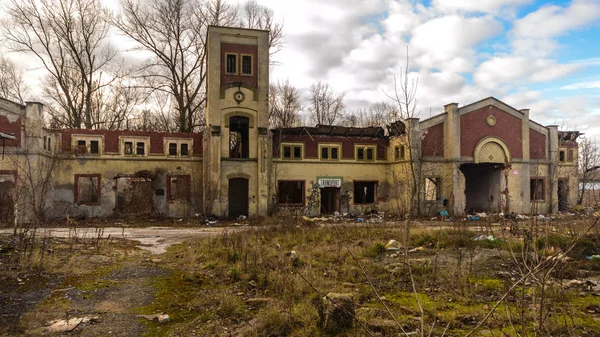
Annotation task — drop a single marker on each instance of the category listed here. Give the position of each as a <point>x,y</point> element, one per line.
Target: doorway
<point>483,186</point>
<point>330,200</point>
<point>563,194</point>
<point>7,202</point>
<point>238,197</point>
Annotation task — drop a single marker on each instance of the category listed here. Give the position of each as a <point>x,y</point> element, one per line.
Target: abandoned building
<point>484,156</point>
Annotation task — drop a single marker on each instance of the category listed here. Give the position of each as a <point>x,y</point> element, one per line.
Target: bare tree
<point>11,81</point>
<point>255,16</point>
<point>326,107</point>
<point>174,32</point>
<point>589,163</point>
<point>284,105</point>
<point>69,38</point>
<point>114,107</point>
<point>378,114</point>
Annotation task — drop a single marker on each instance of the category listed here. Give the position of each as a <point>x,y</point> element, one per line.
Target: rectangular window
<point>561,156</point>
<point>185,150</point>
<point>246,65</point>
<point>292,151</point>
<point>324,152</point>
<point>140,148</point>
<point>81,147</point>
<point>179,188</point>
<point>87,189</point>
<point>329,152</point>
<point>49,144</point>
<point>45,144</point>
<point>537,189</point>
<point>94,147</point>
<point>334,153</point>
<point>365,152</point>
<point>570,155</point>
<point>364,192</point>
<point>399,152</point>
<point>128,150</point>
<point>433,188</point>
<point>290,192</point>
<point>172,149</point>
<point>231,67</point>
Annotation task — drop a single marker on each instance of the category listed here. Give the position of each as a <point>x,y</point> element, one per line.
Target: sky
<point>537,55</point>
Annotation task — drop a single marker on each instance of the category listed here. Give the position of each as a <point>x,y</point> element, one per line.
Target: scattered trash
<point>336,213</point>
<point>593,257</point>
<point>160,318</point>
<point>393,245</point>
<point>485,238</point>
<point>360,220</point>
<point>444,213</point>
<point>242,217</point>
<point>472,217</point>
<point>480,215</point>
<point>63,325</point>
<point>414,250</point>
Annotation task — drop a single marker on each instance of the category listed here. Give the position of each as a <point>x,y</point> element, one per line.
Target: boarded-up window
<point>433,188</point>
<point>87,189</point>
<point>290,192</point>
<point>364,192</point>
<point>179,188</point>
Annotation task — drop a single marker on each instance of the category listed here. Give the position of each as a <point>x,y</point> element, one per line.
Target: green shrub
<point>375,250</point>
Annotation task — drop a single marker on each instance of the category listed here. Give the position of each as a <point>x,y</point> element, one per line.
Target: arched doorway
<point>484,179</point>
<point>238,197</point>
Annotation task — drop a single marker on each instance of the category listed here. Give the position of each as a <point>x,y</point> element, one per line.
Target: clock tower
<point>236,157</point>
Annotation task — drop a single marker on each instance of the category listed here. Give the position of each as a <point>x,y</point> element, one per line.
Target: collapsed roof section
<point>395,129</point>
<point>568,135</point>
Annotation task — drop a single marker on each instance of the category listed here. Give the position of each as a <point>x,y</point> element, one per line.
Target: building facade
<point>484,156</point>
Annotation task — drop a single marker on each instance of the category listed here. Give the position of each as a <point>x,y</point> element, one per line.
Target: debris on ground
<point>415,250</point>
<point>485,238</point>
<point>64,325</point>
<point>393,245</point>
<point>160,318</point>
<point>336,312</point>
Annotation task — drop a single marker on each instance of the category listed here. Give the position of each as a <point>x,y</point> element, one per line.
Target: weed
<point>374,251</point>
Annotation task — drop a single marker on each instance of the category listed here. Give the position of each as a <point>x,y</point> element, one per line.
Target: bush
<point>375,250</point>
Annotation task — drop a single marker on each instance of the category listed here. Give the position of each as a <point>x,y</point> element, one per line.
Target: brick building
<point>484,156</point>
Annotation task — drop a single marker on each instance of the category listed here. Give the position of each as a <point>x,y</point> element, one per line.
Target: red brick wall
<point>239,49</point>
<point>474,127</point>
<point>111,139</point>
<point>537,145</point>
<point>311,145</point>
<point>432,144</point>
<point>14,128</point>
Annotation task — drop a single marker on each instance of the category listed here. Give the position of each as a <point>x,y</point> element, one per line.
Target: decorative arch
<point>491,150</point>
<point>248,115</point>
<point>238,175</point>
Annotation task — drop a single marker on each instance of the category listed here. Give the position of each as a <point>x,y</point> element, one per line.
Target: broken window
<point>128,149</point>
<point>399,152</point>
<point>172,149</point>
<point>185,149</point>
<point>231,67</point>
<point>290,192</point>
<point>365,152</point>
<point>239,128</point>
<point>292,151</point>
<point>537,189</point>
<point>179,188</point>
<point>402,154</point>
<point>49,144</point>
<point>94,147</point>
<point>140,148</point>
<point>433,188</point>
<point>81,147</point>
<point>7,200</point>
<point>87,189</point>
<point>364,192</point>
<point>562,156</point>
<point>246,65</point>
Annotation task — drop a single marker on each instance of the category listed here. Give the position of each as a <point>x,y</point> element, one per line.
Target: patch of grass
<point>374,251</point>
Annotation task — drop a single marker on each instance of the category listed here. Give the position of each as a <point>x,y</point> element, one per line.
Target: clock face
<point>239,96</point>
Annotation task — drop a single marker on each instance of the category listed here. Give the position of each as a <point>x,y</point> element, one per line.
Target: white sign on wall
<point>330,182</point>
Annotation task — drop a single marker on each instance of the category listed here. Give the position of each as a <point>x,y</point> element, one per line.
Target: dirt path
<point>154,239</point>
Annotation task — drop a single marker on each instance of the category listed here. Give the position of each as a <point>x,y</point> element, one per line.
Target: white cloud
<point>552,20</point>
<point>482,6</point>
<point>582,85</point>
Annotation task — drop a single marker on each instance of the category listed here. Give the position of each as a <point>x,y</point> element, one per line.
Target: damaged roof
<point>569,135</point>
<point>334,130</point>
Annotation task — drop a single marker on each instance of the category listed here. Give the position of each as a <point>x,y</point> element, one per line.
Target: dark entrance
<point>7,203</point>
<point>483,186</point>
<point>330,200</point>
<point>238,197</point>
<point>135,195</point>
<point>239,146</point>
<point>563,195</point>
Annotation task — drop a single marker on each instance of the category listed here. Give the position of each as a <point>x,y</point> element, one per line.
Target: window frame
<point>330,146</point>
<point>188,193</point>
<point>87,139</point>
<point>365,147</point>
<point>76,189</point>
<point>292,146</point>
<point>562,152</point>
<point>438,189</point>
<point>227,54</point>
<point>544,190</point>
<point>375,189</point>
<point>279,182</point>
<point>178,141</point>
<point>134,140</point>
<point>241,57</point>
